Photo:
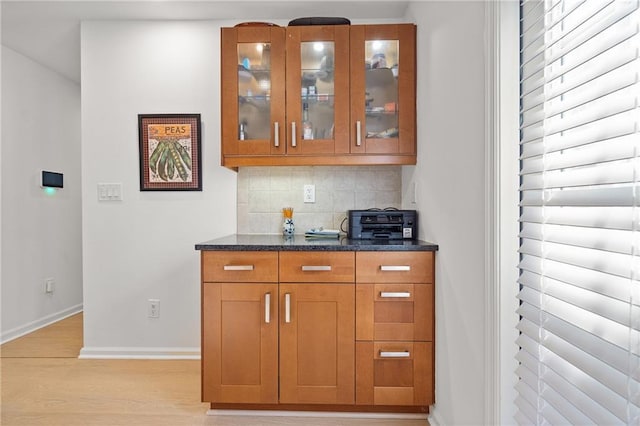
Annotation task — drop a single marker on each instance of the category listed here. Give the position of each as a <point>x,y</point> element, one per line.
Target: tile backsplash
<point>264,191</point>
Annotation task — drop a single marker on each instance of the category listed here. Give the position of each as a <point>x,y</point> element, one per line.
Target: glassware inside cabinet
<point>254,91</point>
<point>317,89</point>
<point>381,88</point>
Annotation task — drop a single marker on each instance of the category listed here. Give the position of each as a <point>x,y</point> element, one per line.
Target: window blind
<point>579,356</point>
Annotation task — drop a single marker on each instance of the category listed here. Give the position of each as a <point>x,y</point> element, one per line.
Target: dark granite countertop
<point>242,242</point>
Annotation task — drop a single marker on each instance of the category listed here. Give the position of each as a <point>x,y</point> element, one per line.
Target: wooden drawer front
<point>316,267</point>
<point>240,266</point>
<point>394,267</point>
<point>394,373</point>
<point>394,312</point>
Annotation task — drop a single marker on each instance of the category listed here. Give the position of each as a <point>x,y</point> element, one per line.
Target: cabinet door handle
<point>267,308</point>
<point>395,354</point>
<point>276,134</point>
<point>293,134</point>
<point>395,294</point>
<point>308,268</point>
<point>287,308</point>
<point>238,267</point>
<point>395,268</point>
<point>358,133</point>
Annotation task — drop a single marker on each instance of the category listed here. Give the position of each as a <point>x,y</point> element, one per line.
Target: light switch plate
<point>110,192</point>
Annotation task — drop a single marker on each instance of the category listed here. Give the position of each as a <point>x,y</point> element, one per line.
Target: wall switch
<point>154,308</point>
<point>110,192</point>
<point>309,193</point>
<point>49,285</point>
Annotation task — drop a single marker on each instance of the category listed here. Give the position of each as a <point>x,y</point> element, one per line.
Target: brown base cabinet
<point>243,345</point>
<point>323,330</point>
<point>316,344</point>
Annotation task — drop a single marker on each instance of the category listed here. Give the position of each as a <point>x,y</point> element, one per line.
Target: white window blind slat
<point>559,311</point>
<point>532,148</point>
<point>584,399</point>
<point>611,69</point>
<point>616,357</point>
<point>618,148</point>
<point>527,376</point>
<point>612,172</point>
<point>554,403</point>
<point>532,6</point>
<point>527,393</point>
<point>618,241</point>
<point>619,55</point>
<point>596,260</point>
<point>554,353</point>
<point>619,196</point>
<point>584,24</point>
<point>613,379</point>
<point>606,106</point>
<point>561,61</point>
<point>579,358</point>
<point>608,285</point>
<point>527,414</point>
<point>605,128</point>
<point>598,217</point>
<point>534,87</point>
<point>600,403</point>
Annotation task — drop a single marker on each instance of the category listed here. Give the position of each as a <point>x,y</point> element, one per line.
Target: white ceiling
<point>48,31</point>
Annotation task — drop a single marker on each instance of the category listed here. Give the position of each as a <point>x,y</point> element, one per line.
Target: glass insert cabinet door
<point>383,89</point>
<point>317,90</point>
<point>253,90</point>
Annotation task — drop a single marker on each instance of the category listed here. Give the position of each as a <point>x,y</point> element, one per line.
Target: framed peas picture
<point>170,147</point>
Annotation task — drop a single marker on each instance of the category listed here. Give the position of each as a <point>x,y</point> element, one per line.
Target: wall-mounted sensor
<point>51,179</point>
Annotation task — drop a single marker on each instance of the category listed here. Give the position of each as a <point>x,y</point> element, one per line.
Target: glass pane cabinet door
<point>253,92</point>
<point>317,89</point>
<point>383,89</point>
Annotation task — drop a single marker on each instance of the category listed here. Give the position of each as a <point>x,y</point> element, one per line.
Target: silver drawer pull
<point>276,134</point>
<point>395,268</point>
<point>293,134</point>
<point>267,308</point>
<point>238,267</point>
<point>395,294</point>
<point>308,268</point>
<point>287,307</point>
<point>393,354</point>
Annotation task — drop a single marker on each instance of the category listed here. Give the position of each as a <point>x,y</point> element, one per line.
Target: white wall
<point>143,246</point>
<point>450,180</point>
<point>41,234</point>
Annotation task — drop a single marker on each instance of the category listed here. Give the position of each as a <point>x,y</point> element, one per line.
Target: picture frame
<point>170,152</point>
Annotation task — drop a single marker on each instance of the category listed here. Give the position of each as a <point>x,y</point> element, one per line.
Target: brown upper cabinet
<point>318,95</point>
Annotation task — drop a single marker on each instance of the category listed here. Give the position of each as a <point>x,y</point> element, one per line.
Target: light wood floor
<point>43,383</point>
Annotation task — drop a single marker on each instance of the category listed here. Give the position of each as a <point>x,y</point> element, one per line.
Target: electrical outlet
<point>309,193</point>
<point>49,285</point>
<point>154,308</point>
